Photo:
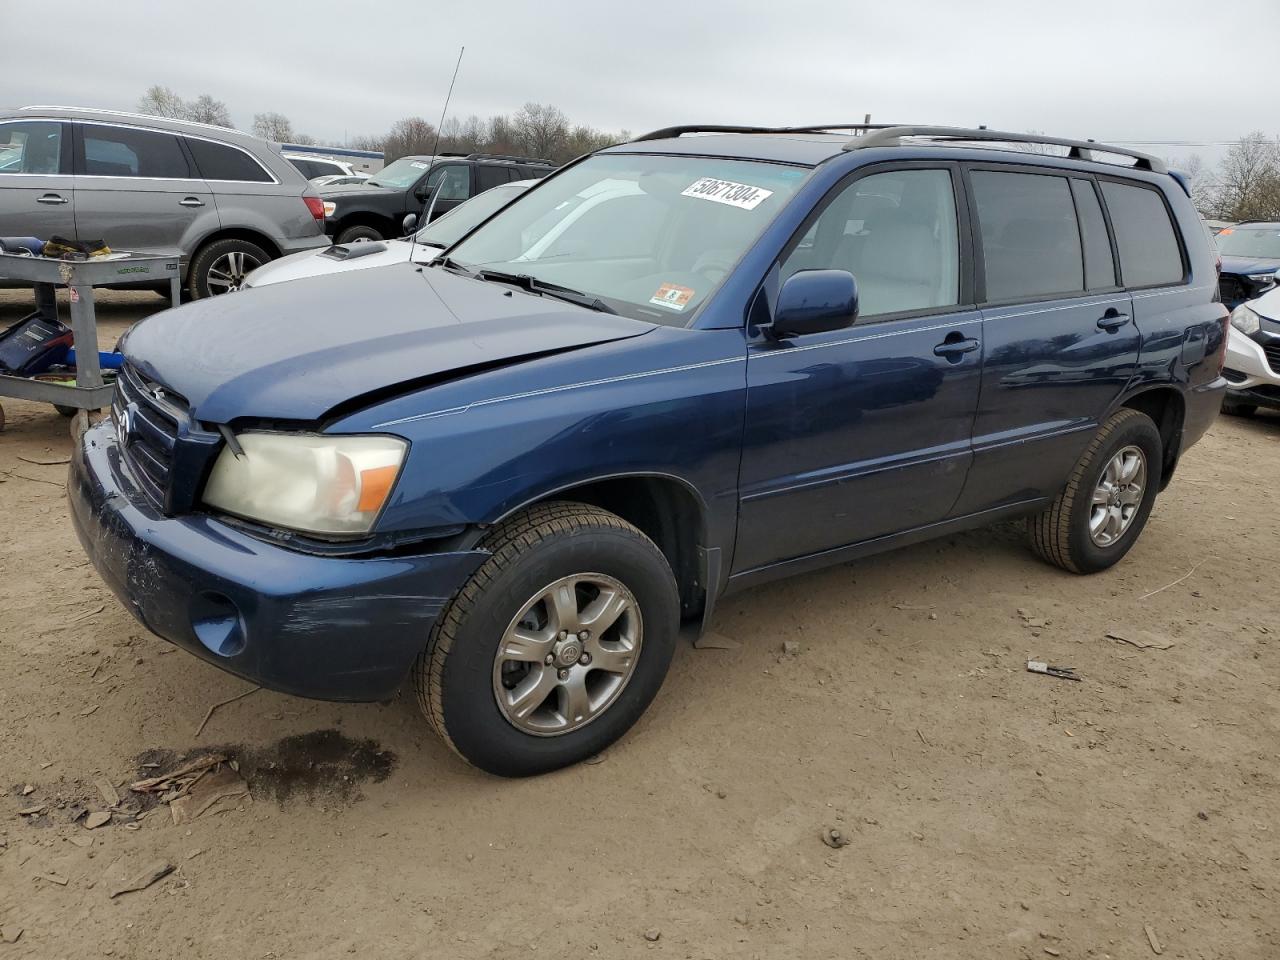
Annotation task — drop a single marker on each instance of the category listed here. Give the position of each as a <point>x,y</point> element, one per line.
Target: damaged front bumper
<point>333,628</point>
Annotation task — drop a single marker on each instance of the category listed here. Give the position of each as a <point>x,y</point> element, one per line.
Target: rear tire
<point>1098,516</point>
<point>488,703</point>
<point>1233,409</point>
<point>360,232</point>
<point>220,267</point>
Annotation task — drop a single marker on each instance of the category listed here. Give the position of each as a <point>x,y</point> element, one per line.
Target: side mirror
<point>813,301</point>
<point>408,223</point>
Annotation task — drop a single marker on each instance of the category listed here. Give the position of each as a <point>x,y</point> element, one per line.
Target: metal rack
<point>81,276</point>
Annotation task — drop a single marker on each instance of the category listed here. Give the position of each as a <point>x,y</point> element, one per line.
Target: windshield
<point>402,173</point>
<point>1261,242</point>
<point>455,224</point>
<point>650,236</point>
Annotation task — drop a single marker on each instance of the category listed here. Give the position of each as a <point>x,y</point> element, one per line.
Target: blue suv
<point>677,368</point>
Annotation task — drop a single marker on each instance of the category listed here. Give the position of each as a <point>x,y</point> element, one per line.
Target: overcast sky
<point>1107,69</point>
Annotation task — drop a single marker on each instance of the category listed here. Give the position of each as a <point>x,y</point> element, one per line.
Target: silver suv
<point>224,201</point>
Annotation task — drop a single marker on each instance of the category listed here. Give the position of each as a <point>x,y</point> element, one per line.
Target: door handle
<point>52,198</point>
<point>191,202</point>
<point>1112,320</point>
<point>954,349</point>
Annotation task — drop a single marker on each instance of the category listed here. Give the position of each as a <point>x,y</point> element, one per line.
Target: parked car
<point>1250,256</point>
<point>222,201</point>
<point>1253,356</point>
<point>339,180</point>
<point>508,475</point>
<point>425,244</point>
<point>311,166</point>
<point>416,185</point>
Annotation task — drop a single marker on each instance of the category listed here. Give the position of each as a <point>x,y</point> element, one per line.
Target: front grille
<point>1231,289</point>
<point>148,419</point>
<point>1272,350</point>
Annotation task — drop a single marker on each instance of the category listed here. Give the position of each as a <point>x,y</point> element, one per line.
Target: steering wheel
<point>714,265</point>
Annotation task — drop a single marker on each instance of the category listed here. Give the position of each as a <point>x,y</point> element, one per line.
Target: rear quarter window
<point>1150,255</point>
<point>217,161</point>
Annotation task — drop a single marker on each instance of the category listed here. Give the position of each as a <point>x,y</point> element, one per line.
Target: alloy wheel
<point>568,654</point>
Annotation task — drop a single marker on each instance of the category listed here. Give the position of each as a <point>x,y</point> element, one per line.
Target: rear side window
<point>1030,237</point>
<point>217,161</point>
<point>1149,251</point>
<point>1099,264</point>
<point>315,168</point>
<point>130,152</point>
<point>533,173</point>
<point>30,146</point>
<point>489,176</point>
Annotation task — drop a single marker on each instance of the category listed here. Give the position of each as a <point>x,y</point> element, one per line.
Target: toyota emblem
<point>125,425</point>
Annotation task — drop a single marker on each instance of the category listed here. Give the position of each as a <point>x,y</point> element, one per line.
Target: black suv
<point>376,209</point>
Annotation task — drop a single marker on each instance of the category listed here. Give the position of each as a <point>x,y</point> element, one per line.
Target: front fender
<point>668,404</point>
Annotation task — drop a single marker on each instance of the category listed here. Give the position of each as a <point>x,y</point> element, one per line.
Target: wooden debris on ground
<point>1153,939</point>
<point>144,878</point>
<point>208,784</point>
<point>1140,639</point>
<point>217,792</point>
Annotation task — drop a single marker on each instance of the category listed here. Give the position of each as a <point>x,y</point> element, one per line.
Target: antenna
<point>413,242</point>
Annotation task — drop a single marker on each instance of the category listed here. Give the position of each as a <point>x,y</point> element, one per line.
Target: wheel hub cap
<point>568,654</point>
<point>1117,498</point>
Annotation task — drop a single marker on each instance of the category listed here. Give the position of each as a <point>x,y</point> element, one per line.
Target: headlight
<point>313,483</point>
<point>1245,320</point>
<point>330,208</point>
<point>1268,277</point>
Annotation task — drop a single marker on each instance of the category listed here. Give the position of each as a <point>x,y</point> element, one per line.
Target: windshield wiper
<point>453,266</point>
<point>534,285</point>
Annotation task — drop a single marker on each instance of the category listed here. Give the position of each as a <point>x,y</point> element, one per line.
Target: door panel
<point>1056,361</point>
<point>37,195</point>
<point>1051,372</point>
<point>136,190</point>
<point>854,435</point>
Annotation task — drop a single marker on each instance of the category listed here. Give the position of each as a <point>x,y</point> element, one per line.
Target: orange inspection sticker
<point>672,296</point>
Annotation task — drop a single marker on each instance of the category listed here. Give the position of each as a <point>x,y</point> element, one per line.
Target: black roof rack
<point>1078,149</point>
<point>502,156</point>
<point>667,133</point>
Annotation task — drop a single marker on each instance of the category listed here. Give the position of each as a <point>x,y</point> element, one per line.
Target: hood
<point>1245,265</point>
<point>294,351</point>
<point>1267,305</point>
<point>312,263</point>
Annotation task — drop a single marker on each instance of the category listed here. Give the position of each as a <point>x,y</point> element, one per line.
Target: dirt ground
<point>991,812</point>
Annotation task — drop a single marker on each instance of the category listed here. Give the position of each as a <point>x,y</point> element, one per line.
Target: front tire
<point>220,267</point>
<point>1100,512</point>
<point>555,646</point>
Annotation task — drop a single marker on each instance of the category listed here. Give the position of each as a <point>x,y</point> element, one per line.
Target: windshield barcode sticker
<point>740,195</point>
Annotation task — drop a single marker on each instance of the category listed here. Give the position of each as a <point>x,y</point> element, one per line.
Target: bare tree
<point>366,142</point>
<point>1201,181</point>
<point>273,126</point>
<point>304,139</point>
<point>412,135</point>
<point>541,129</point>
<point>1248,186</point>
<point>161,101</point>
<point>205,109</point>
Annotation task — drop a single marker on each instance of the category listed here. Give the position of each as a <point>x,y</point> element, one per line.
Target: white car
<point>1253,356</point>
<point>311,165</point>
<point>426,243</point>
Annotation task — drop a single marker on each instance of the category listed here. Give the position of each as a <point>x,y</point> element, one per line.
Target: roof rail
<point>667,133</point>
<point>38,107</point>
<point>1079,149</point>
<point>503,156</point>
